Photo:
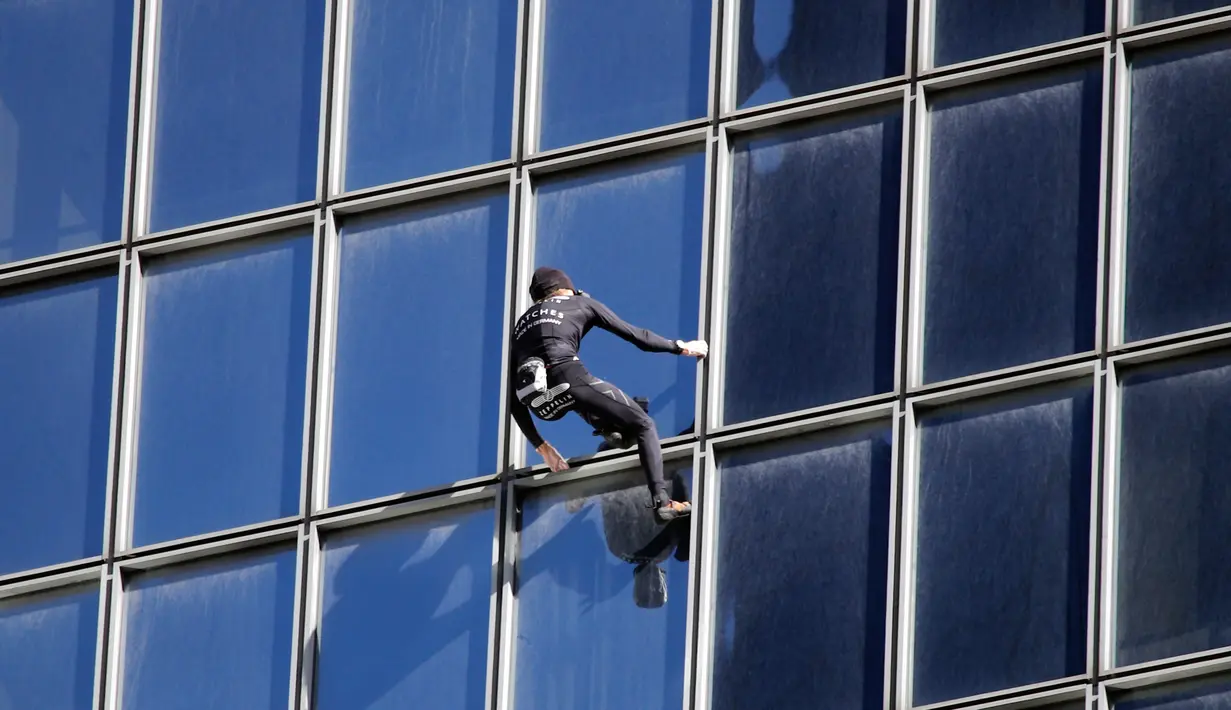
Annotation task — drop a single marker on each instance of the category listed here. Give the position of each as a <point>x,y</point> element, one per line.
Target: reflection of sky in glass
<point>583,641</point>
<point>222,390</point>
<point>57,351</point>
<point>417,379</point>
<point>405,614</point>
<point>630,236</point>
<point>619,67</point>
<point>47,648</point>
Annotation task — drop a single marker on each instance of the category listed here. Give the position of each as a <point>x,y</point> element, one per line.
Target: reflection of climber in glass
<point>550,380</point>
<point>632,535</point>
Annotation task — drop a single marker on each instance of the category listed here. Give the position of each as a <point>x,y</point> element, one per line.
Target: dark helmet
<point>546,280</point>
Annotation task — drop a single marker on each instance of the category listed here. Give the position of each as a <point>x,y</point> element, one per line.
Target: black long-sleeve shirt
<point>552,331</point>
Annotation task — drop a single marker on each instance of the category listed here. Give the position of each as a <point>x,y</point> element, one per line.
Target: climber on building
<point>550,380</point>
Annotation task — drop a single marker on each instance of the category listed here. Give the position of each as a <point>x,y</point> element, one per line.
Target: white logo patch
<point>549,395</point>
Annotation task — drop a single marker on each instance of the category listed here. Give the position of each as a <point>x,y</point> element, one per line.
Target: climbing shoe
<point>669,510</point>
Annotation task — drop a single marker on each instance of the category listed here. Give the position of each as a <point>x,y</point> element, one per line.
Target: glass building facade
<point>957,443</point>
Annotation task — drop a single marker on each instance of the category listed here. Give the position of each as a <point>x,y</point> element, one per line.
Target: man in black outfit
<point>550,380</point>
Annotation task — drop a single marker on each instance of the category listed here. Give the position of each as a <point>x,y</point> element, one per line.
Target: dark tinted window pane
<point>222,392</point>
<point>47,648</point>
<point>57,351</point>
<point>1175,510</point>
<point>970,29</point>
<point>1012,246</point>
<point>405,615</point>
<point>1005,486</point>
<point>826,247</point>
<point>631,238</point>
<point>602,599</point>
<point>239,85</point>
<point>790,48</point>
<point>431,87</point>
<point>64,71</point>
<point>1203,694</point>
<point>619,67</point>
<point>1179,258</point>
<point>417,381</point>
<point>802,572</point>
<point>1151,10</point>
<point>211,635</point>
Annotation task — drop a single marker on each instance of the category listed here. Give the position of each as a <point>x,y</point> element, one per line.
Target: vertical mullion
<point>339,98</point>
<point>308,643</point>
<point>1110,516</point>
<point>100,639</point>
<point>894,599</point>
<point>323,138</point>
<point>504,432</point>
<point>505,654</point>
<point>131,140</point>
<point>711,415</point>
<point>306,459</point>
<point>318,489</point>
<point>908,558</point>
<point>533,77</point>
<point>146,118</point>
<point>126,477</point>
<point>920,133</point>
<point>705,557</point>
<point>1118,209</point>
<point>521,80</point>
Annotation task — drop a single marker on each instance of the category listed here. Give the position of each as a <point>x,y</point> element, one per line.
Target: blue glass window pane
<point>57,353</point>
<point>418,404</point>
<point>211,635</point>
<point>222,392</point>
<point>827,247</point>
<point>792,48</point>
<point>1005,482</point>
<point>431,87</point>
<point>602,598</point>
<point>970,29</point>
<point>1151,10</point>
<point>405,615</point>
<point>1174,580</point>
<point>803,560</point>
<point>64,71</point>
<point>1200,694</point>
<point>1012,246</point>
<point>630,236</point>
<point>1178,255</point>
<point>47,648</point>
<point>239,85</point>
<point>619,67</point>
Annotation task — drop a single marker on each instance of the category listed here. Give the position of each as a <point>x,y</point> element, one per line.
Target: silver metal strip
<point>114,426</point>
<point>310,387</point>
<point>217,548</point>
<point>692,133</point>
<point>52,581</point>
<point>292,681</point>
<point>209,538</point>
<point>804,426</point>
<point>326,364</point>
<point>902,332</point>
<point>693,608</point>
<point>340,110</point>
<point>1031,696</point>
<point>722,220</point>
<point>129,437</point>
<point>310,643</point>
<point>1097,534</point>
<point>1110,517</point>
<point>532,106</point>
<point>893,572</point>
<point>517,443</point>
<point>917,285</point>
<point>458,499</point>
<point>992,387</point>
<point>926,35</point>
<point>417,192</point>
<point>818,109</point>
<point>1118,227</point>
<point>324,113</point>
<point>493,603</point>
<point>115,643</point>
<point>506,661</point>
<point>831,96</point>
<point>1173,349</point>
<point>503,433</point>
<point>520,61</point>
<point>1178,27</point>
<point>15,583</point>
<point>1013,68</point>
<point>135,59</point>
<point>1105,178</point>
<point>147,116</point>
<point>724,57</point>
<point>703,583</point>
<point>908,559</point>
<point>1192,667</point>
<point>228,224</point>
<point>704,371</point>
<point>100,639</point>
<point>39,272</point>
<point>542,478</point>
<point>230,233</point>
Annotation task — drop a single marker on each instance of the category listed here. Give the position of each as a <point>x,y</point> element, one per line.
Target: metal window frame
<point>710,506</point>
<point>915,408</point>
<point>134,357</point>
<point>335,215</point>
<point>928,89</point>
<point>728,133</point>
<point>247,547</point>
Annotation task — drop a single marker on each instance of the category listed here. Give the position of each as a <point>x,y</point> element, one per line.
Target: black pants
<point>607,409</point>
